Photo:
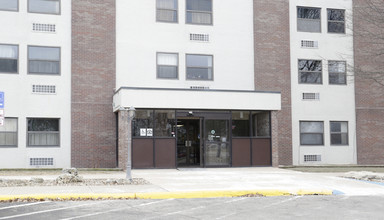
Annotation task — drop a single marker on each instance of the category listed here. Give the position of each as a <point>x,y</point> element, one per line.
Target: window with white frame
<point>43,60</point>
<point>44,6</point>
<point>166,10</point>
<point>8,133</point>
<point>43,132</point>
<point>199,67</point>
<point>167,65</point>
<point>310,71</point>
<point>199,12</point>
<point>336,21</point>
<point>9,5</point>
<point>311,133</point>
<point>339,132</point>
<point>9,55</point>
<point>308,19</point>
<point>337,72</point>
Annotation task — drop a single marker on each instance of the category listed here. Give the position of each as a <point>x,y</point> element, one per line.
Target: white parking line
<point>49,210</point>
<point>115,210</point>
<point>199,207</point>
<point>28,204</point>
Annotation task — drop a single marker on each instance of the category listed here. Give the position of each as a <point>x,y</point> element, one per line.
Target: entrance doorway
<point>188,142</point>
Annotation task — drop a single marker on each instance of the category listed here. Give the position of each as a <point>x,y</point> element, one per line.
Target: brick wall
<point>369,94</point>
<point>272,69</point>
<point>93,81</point>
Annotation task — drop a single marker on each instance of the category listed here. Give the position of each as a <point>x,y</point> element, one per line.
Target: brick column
<point>272,70</point>
<point>123,138</point>
<point>275,138</point>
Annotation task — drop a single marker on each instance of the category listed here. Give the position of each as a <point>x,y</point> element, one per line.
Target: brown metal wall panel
<point>261,152</point>
<point>165,153</point>
<point>142,153</point>
<point>241,152</point>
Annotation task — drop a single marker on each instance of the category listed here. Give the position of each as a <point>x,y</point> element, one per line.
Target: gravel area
<point>367,176</point>
<point>85,182</point>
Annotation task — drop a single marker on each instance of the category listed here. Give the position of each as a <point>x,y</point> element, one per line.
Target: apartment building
<point>214,83</point>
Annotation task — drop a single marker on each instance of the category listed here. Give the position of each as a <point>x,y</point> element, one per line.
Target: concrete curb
<point>163,195</point>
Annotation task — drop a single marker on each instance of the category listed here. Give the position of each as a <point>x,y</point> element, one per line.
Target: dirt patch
<point>85,182</point>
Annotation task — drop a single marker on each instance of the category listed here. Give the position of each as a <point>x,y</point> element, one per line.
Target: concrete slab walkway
<point>210,182</point>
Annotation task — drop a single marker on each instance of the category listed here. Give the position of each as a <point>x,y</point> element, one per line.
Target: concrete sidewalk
<point>198,182</point>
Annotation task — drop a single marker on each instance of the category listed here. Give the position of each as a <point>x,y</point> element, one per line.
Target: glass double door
<point>203,142</point>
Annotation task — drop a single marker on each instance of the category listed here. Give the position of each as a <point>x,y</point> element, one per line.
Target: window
<point>261,125</point>
<point>240,123</point>
<point>336,21</point>
<point>8,133</point>
<point>9,55</point>
<point>143,123</point>
<point>44,60</point>
<point>308,19</point>
<point>166,10</point>
<point>339,133</point>
<point>43,132</point>
<point>310,71</point>
<point>9,5</point>
<point>167,65</point>
<point>44,6</point>
<point>199,12</point>
<point>200,67</point>
<point>165,123</point>
<point>311,133</point>
<point>337,72</point>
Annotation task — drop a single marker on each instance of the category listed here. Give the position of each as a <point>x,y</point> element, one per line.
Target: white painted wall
<point>19,100</point>
<point>189,99</point>
<point>337,102</point>
<point>139,37</point>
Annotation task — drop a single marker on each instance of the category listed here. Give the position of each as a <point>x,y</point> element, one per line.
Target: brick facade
<point>272,70</point>
<point>369,94</point>
<point>93,82</point>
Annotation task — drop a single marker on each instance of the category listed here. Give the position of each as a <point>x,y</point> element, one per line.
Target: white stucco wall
<point>139,37</point>
<point>19,100</point>
<point>337,102</point>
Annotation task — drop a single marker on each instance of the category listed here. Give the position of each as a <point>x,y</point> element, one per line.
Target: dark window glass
<point>143,123</point>
<point>45,60</point>
<point>339,133</point>
<point>39,124</point>
<point>200,67</point>
<point>337,72</point>
<point>261,126</point>
<point>310,71</point>
<point>8,133</point>
<point>166,10</point>
<point>44,6</point>
<point>308,19</point>
<point>9,5</point>
<point>336,21</point>
<point>167,65</point>
<point>165,123</point>
<point>240,124</point>
<point>311,133</point>
<point>43,132</point>
<point>308,13</point>
<point>199,11</point>
<point>9,58</point>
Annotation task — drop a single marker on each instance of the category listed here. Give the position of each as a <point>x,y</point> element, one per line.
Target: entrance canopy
<point>158,98</point>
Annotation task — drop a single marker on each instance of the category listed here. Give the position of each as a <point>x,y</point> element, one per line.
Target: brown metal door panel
<point>241,152</point>
<point>142,153</point>
<point>261,152</point>
<point>165,153</point>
